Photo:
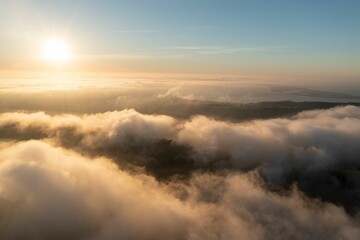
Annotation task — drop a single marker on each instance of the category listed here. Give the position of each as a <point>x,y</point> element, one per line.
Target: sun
<point>56,50</point>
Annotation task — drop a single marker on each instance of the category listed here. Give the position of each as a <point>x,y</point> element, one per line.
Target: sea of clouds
<point>127,175</point>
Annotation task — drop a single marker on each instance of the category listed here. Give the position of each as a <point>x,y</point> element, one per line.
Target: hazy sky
<point>317,38</point>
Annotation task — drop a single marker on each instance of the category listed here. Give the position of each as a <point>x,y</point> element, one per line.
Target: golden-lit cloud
<point>48,192</point>
<point>314,149</point>
<point>324,135</point>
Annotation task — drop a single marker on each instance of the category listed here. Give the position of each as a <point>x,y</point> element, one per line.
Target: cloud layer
<point>316,150</point>
<point>48,192</point>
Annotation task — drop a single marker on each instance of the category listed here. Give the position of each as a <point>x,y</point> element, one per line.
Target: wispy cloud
<point>133,31</point>
<point>140,31</point>
<point>203,27</point>
<point>209,50</point>
<point>132,56</point>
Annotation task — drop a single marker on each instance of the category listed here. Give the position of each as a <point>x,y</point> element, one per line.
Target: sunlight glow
<point>56,50</point>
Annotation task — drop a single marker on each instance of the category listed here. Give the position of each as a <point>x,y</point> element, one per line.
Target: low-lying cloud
<point>316,150</point>
<point>48,192</point>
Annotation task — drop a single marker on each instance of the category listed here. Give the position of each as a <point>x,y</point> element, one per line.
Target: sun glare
<point>56,50</point>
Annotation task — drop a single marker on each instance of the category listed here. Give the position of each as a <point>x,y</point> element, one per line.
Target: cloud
<point>177,92</point>
<point>192,94</point>
<point>317,150</point>
<point>110,127</point>
<point>51,193</point>
<point>56,194</point>
<point>133,56</point>
<point>317,140</point>
<point>215,50</point>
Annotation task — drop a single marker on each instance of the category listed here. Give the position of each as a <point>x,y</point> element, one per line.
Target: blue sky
<point>259,36</point>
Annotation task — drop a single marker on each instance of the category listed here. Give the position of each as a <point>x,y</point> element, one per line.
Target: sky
<point>258,37</point>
